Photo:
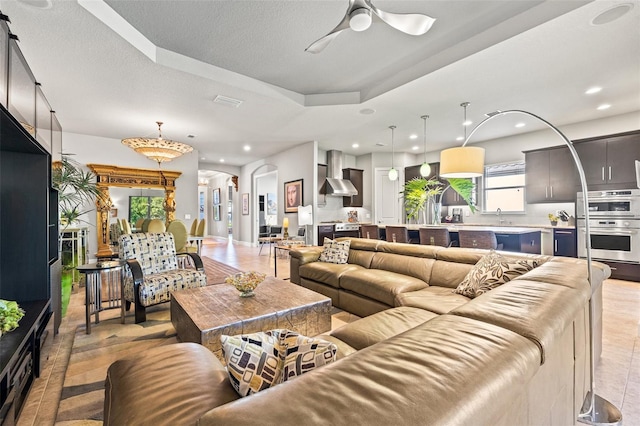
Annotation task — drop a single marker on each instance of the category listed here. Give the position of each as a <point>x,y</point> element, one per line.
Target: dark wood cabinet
<point>452,198</point>
<point>565,243</point>
<point>324,231</point>
<point>412,172</point>
<point>609,161</point>
<point>356,178</point>
<point>528,242</point>
<point>551,176</point>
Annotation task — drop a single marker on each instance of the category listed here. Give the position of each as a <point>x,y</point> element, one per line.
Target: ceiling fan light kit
<point>359,17</point>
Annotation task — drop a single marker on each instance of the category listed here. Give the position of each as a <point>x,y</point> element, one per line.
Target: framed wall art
<point>292,195</point>
<point>245,203</point>
<point>216,196</point>
<point>216,212</point>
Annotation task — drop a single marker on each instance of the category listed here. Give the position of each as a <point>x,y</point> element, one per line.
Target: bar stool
<point>481,239</point>
<point>370,231</point>
<point>435,237</point>
<point>397,234</point>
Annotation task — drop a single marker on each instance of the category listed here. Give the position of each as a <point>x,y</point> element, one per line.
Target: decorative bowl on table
<point>246,282</point>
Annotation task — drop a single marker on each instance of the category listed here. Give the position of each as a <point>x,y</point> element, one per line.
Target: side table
<point>113,272</point>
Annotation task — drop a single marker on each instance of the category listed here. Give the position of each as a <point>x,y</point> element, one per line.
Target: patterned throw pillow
<point>253,362</point>
<point>301,354</point>
<point>334,251</point>
<point>492,271</point>
<point>260,360</point>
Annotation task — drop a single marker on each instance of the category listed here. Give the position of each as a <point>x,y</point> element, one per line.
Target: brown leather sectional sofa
<point>517,355</point>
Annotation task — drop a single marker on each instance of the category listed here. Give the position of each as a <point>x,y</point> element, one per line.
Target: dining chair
<point>139,223</point>
<point>200,229</point>
<point>181,239</point>
<point>482,239</point>
<point>397,234</point>
<point>194,227</point>
<point>435,237</point>
<point>156,226</point>
<point>370,231</point>
<point>126,227</point>
<point>145,225</point>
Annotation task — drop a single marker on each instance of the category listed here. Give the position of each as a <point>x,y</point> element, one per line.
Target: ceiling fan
<point>358,18</point>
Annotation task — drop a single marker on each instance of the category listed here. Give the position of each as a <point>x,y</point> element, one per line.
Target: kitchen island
<point>513,238</point>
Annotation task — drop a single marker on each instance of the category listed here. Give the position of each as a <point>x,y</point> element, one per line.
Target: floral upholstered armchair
<point>153,271</point>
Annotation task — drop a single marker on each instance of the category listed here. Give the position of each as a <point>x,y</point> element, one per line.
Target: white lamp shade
<point>393,174</point>
<point>305,215</point>
<point>285,222</point>
<point>462,162</point>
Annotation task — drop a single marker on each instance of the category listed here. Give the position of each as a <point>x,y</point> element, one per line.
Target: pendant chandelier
<point>393,173</point>
<point>425,169</point>
<point>157,149</point>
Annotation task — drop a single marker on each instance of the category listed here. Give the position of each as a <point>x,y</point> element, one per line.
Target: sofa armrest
<point>306,254</point>
<point>170,385</point>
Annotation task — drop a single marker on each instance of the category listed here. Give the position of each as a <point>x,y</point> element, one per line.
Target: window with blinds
<point>504,187</point>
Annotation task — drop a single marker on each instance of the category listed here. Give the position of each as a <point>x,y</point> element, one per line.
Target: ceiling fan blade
<point>318,45</point>
<point>410,23</point>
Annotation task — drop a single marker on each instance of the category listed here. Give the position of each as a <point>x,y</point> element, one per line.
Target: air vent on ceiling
<point>230,102</point>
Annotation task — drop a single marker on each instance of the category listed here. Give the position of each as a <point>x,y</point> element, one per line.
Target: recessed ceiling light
<point>355,145</point>
<point>603,107</point>
<point>413,136</point>
<point>459,138</point>
<point>247,148</point>
<point>40,4</point>
<point>202,158</point>
<point>415,148</point>
<point>367,111</point>
<point>520,125</point>
<point>222,160</point>
<point>612,14</point>
<point>592,90</point>
<point>467,123</point>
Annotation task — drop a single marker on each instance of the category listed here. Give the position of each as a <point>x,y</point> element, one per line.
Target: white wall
<point>296,163</point>
<point>98,150</point>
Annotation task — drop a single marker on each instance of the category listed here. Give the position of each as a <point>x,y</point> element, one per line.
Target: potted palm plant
<point>419,193</point>
<point>76,189</point>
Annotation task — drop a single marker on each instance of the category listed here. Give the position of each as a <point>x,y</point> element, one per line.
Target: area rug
<point>82,396</point>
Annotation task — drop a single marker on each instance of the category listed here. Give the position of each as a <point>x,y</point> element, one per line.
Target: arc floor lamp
<point>466,161</point>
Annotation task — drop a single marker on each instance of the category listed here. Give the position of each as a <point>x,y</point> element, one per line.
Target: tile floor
<point>617,373</point>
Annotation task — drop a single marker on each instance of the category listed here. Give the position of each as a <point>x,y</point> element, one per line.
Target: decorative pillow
<point>334,251</point>
<point>301,354</point>
<point>253,362</point>
<point>492,271</point>
<point>260,360</point>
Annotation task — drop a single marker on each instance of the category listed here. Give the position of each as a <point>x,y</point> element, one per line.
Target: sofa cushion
<point>378,327</point>
<point>413,266</point>
<point>157,288</point>
<point>435,299</point>
<point>538,311</point>
<point>378,284</point>
<point>472,370</point>
<point>335,251</point>
<point>252,361</point>
<point>492,271</point>
<point>326,273</point>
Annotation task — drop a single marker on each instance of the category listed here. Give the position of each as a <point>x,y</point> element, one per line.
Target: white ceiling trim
<point>103,12</point>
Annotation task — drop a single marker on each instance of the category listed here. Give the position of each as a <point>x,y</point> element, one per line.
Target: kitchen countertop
<point>503,229</point>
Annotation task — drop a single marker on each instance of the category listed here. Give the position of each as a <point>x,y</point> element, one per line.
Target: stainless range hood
<point>335,184</point>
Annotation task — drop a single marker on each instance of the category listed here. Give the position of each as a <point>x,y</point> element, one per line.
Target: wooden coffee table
<point>203,314</point>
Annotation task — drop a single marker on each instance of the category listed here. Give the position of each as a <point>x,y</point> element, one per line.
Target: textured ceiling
<point>113,68</point>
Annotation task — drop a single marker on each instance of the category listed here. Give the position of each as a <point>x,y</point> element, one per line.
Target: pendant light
<point>425,169</point>
<point>393,173</point>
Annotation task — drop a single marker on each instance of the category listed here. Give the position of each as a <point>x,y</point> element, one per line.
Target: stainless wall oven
<point>610,204</point>
<point>611,239</point>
